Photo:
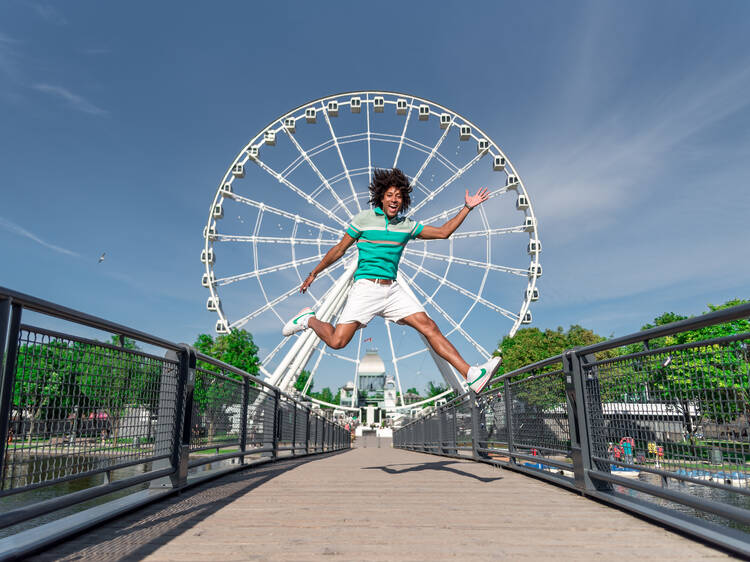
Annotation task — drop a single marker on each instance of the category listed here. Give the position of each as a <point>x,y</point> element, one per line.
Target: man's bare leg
<point>427,327</point>
<point>334,337</point>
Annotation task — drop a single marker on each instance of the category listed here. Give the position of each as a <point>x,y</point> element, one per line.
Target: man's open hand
<point>479,197</point>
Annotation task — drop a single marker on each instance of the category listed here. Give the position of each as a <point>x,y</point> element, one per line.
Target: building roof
<point>371,364</point>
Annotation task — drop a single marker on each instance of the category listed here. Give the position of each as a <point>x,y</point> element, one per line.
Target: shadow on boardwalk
<point>378,504</point>
<point>438,465</point>
<point>139,534</point>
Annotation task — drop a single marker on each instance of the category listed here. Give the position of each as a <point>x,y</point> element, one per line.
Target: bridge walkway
<point>377,504</point>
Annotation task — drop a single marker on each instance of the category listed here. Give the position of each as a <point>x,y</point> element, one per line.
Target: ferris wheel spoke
<point>267,359</point>
<point>339,356</point>
<point>482,233</point>
<point>341,156</point>
<point>403,133</point>
<point>451,321</point>
<point>431,155</point>
<point>281,179</point>
<point>413,354</point>
<point>369,136</point>
<point>446,214</point>
<point>475,297</point>
<point>446,183</point>
<point>394,360</point>
<point>270,304</point>
<point>291,216</point>
<point>274,240</point>
<point>314,370</point>
<point>465,261</point>
<point>317,171</point>
<point>266,270</point>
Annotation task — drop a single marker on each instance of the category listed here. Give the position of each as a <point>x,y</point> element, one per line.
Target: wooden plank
<point>379,503</point>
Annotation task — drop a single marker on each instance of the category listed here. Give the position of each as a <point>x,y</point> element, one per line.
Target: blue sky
<point>629,123</point>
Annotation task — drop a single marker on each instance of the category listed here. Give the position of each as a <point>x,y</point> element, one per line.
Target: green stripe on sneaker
<point>301,315</point>
<point>484,372</point>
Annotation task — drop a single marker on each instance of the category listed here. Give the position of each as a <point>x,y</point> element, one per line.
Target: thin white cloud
<point>9,58</point>
<point>5,224</point>
<point>7,39</point>
<point>50,14</point>
<point>74,100</point>
<point>611,166</point>
<point>94,51</point>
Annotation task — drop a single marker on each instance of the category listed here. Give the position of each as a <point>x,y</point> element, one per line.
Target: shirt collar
<point>380,212</point>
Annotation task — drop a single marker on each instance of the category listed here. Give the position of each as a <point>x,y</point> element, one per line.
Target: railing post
<point>307,430</point>
<point>294,430</point>
<point>276,421</point>
<point>243,419</point>
<point>440,416</point>
<point>509,419</point>
<point>580,445</point>
<point>10,322</point>
<point>185,387</point>
<point>476,441</point>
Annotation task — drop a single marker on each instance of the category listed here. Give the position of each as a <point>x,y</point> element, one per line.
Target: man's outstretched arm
<point>332,256</point>
<point>470,201</point>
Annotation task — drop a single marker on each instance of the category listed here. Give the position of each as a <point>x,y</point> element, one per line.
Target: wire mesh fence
<point>654,420</point>
<point>73,408</point>
<point>80,407</point>
<point>217,410</point>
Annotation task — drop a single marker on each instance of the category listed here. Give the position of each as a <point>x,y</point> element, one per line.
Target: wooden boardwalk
<point>378,504</point>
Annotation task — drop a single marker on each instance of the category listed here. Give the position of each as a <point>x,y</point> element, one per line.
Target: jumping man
<point>381,235</point>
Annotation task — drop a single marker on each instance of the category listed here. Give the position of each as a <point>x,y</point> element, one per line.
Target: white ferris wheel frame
<point>331,303</point>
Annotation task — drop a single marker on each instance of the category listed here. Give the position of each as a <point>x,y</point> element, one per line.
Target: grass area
<point>215,452</point>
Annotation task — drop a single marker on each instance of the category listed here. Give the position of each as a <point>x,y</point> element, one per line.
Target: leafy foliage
<point>302,381</point>
<point>213,395</point>
<point>713,378</point>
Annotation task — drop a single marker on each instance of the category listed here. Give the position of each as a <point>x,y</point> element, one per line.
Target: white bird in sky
<point>101,258</point>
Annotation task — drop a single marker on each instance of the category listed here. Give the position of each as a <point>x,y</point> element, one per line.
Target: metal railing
<point>104,417</point>
<point>653,422</point>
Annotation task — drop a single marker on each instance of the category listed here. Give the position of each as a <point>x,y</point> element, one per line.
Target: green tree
<point>546,395</point>
<point>530,345</point>
<point>326,395</point>
<point>45,385</point>
<point>433,389</point>
<point>301,381</point>
<point>114,378</point>
<point>711,378</point>
<point>214,395</point>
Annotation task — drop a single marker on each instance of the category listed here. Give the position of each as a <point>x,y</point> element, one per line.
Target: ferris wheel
<point>294,187</point>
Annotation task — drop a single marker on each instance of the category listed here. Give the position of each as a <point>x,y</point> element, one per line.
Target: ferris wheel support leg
<point>308,348</point>
<point>304,345</point>
<point>451,377</point>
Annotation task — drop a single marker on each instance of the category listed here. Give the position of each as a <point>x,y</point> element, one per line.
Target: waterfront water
<point>46,468</point>
<point>706,492</point>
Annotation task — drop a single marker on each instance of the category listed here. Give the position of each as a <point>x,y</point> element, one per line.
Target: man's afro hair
<point>382,180</point>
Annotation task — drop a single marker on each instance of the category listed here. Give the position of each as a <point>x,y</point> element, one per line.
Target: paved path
<point>378,504</point>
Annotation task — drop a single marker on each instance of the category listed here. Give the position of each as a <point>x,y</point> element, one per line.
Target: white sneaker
<point>478,377</point>
<point>299,322</point>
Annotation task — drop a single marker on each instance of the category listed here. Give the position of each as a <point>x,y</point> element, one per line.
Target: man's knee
<point>340,338</point>
<point>426,325</point>
<point>338,342</point>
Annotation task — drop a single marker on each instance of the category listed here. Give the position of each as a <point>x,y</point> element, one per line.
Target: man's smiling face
<point>392,201</point>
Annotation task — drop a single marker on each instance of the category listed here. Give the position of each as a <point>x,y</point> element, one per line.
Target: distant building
<point>371,378</point>
<point>411,398</point>
<point>346,395</point>
<point>389,393</point>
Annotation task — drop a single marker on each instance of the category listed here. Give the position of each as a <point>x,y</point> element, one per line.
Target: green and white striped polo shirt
<point>380,242</point>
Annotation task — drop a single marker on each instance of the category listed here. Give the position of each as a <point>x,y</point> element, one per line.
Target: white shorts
<point>367,300</point>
